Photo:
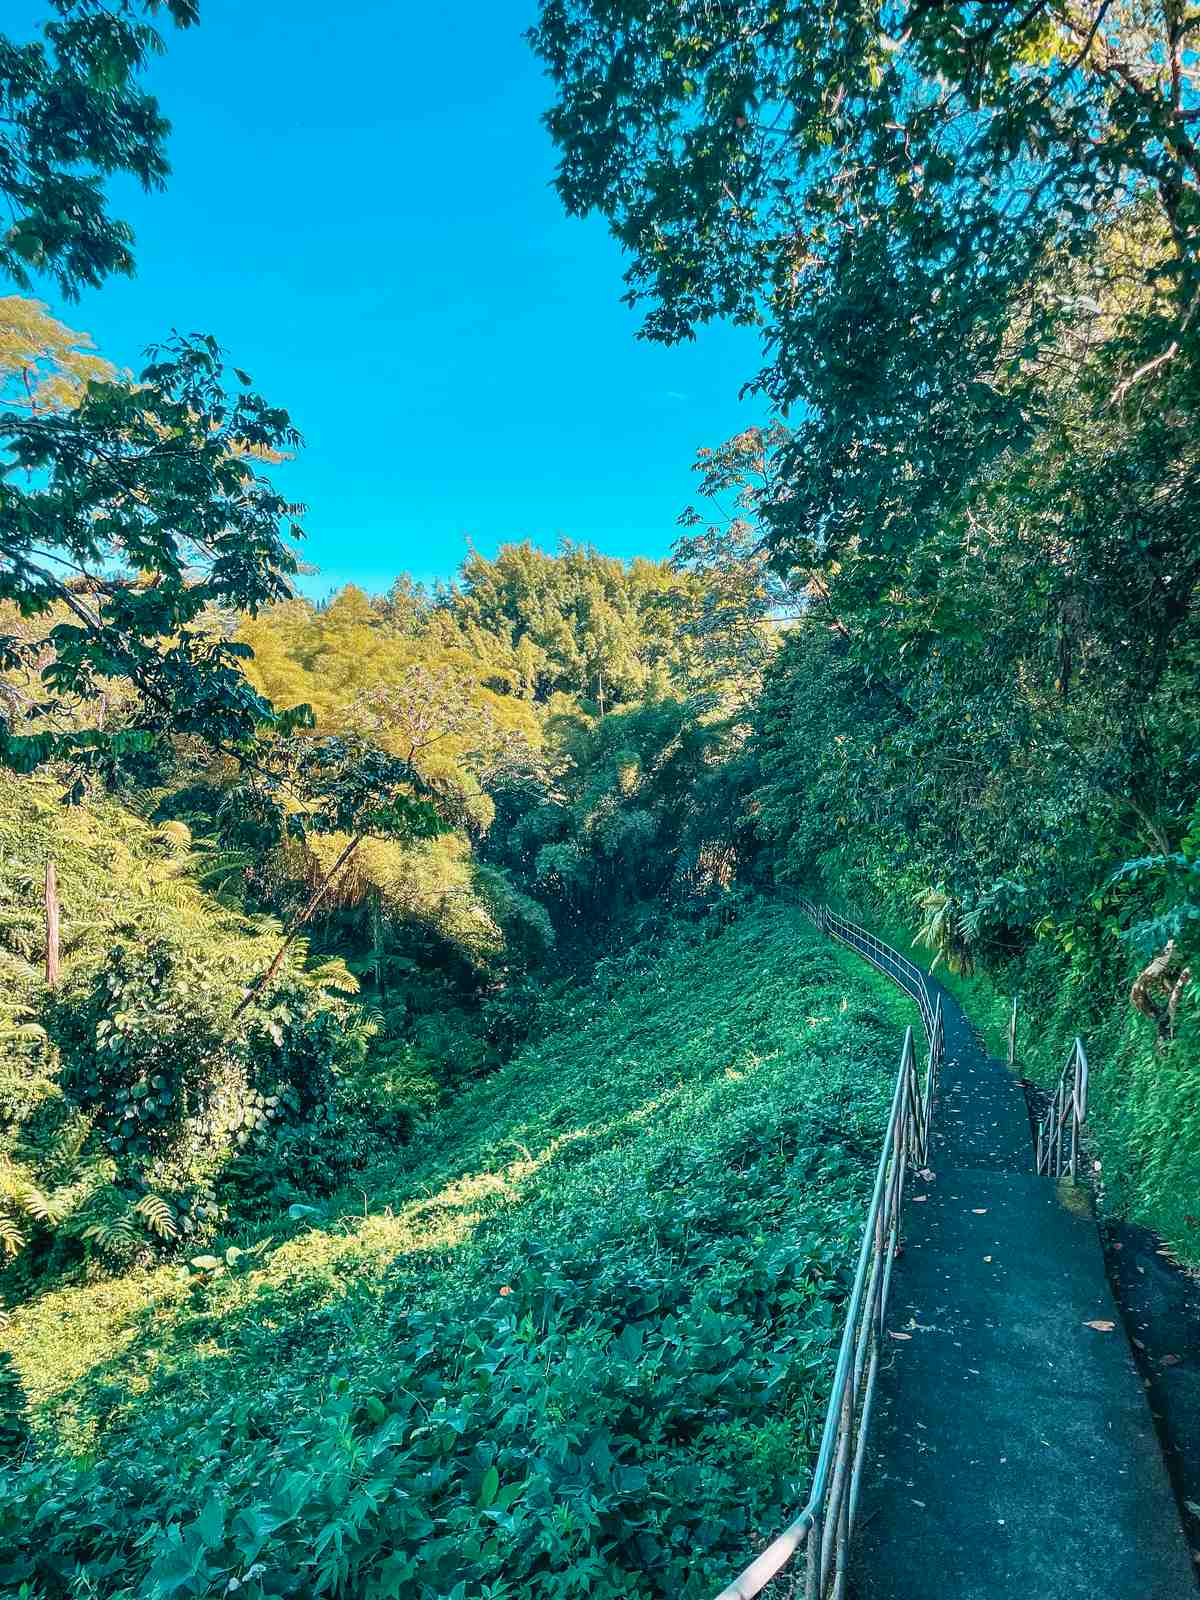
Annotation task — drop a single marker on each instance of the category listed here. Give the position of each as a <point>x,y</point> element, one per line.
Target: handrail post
<point>816,1537</point>
<point>1060,1131</point>
<point>1074,1112</point>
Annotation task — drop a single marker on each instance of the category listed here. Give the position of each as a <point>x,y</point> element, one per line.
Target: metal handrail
<point>826,1524</point>
<point>903,972</point>
<point>1058,1149</point>
<point>890,962</point>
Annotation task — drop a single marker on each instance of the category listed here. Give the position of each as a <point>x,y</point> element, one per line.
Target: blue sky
<point>360,211</point>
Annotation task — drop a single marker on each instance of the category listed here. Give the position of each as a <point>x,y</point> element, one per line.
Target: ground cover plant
<point>576,1339</point>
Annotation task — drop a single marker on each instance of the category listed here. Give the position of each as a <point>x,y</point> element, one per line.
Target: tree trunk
<point>260,983</point>
<point>1157,989</point>
<point>52,926</point>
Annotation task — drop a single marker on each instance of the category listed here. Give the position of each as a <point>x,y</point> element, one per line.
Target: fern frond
<point>215,868</point>
<point>110,1231</point>
<point>142,802</point>
<point>177,836</point>
<point>157,1215</point>
<point>335,974</point>
<point>35,1204</point>
<point>69,1142</point>
<point>16,970</point>
<point>21,1032</point>
<point>12,1240</point>
<point>170,891</point>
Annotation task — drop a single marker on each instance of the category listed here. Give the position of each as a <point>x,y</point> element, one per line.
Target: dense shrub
<point>154,1095</point>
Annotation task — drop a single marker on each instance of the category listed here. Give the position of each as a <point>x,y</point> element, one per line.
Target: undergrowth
<point>576,1338</point>
<point>141,1106</point>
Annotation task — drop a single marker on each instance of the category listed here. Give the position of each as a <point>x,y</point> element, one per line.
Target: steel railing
<point>1059,1130</point>
<point>826,1524</point>
<point>903,972</point>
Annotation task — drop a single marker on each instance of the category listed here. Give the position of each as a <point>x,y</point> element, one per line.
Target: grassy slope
<point>576,1340</point>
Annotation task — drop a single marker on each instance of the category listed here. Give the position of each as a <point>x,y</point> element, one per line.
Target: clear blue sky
<point>360,211</point>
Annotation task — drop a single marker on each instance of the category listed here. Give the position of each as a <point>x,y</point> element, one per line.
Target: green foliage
<point>626,816</point>
<point>565,712</point>
<point>73,114</point>
<point>130,512</point>
<point>1001,830</point>
<point>536,1353</point>
<point>970,242</point>
<point>1173,882</point>
<point>577,623</point>
<point>161,536</point>
<point>146,1044</point>
<point>889,195</point>
<point>127,1096</point>
<point>44,365</point>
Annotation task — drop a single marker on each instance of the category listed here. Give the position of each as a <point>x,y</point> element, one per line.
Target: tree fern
<point>21,1033</point>
<point>16,970</point>
<point>177,836</point>
<point>941,931</point>
<point>335,973</point>
<point>67,1147</point>
<point>111,1231</point>
<point>214,868</point>
<point>36,1204</point>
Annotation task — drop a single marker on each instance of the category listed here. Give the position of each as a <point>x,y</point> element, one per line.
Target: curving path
<point>1013,1453</point>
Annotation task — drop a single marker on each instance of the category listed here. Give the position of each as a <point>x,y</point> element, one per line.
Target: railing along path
<point>826,1524</point>
<point>1058,1132</point>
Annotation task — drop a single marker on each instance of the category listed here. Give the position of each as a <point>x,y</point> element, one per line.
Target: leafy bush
<point>155,1094</point>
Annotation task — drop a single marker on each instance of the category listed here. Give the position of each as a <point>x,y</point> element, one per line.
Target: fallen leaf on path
<point>979,1211</point>
<point>925,1175</point>
<point>987,1258</point>
<point>899,1335</point>
<point>919,1199</point>
<point>1101,1325</point>
<point>1190,1505</point>
<point>1171,1361</point>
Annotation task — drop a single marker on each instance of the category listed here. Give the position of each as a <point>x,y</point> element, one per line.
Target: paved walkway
<point>1013,1450</point>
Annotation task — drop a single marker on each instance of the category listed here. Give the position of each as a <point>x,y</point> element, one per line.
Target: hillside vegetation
<point>575,1338</point>
<point>430,1163</point>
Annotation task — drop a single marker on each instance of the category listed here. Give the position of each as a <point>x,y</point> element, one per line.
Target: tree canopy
<point>72,114</point>
<point>132,511</point>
